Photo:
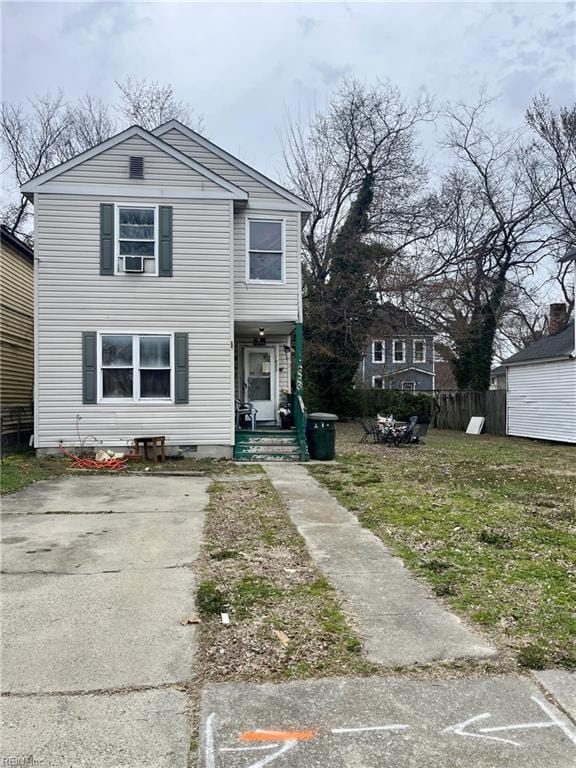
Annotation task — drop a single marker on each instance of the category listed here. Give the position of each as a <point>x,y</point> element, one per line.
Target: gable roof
<point>14,242</point>
<point>410,368</point>
<point>559,345</point>
<point>35,184</point>
<point>391,321</point>
<point>222,153</point>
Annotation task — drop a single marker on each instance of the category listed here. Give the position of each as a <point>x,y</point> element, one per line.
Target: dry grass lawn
<point>489,522</point>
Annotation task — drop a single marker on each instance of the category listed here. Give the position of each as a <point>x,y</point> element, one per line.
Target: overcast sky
<point>243,66</point>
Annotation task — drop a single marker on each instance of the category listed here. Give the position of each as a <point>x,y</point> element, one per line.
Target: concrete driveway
<point>97,573</point>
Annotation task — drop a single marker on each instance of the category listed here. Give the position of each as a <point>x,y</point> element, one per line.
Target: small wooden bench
<point>156,443</point>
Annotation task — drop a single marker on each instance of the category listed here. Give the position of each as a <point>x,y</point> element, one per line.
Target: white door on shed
<point>260,381</point>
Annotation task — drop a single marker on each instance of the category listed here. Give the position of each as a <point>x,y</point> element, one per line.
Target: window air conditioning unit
<point>133,264</point>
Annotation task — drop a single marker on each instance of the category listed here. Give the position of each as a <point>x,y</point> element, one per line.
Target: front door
<point>260,381</point>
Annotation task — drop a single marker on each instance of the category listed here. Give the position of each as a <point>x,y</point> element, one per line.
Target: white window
<point>419,355</point>
<point>135,367</point>
<point>398,351</point>
<point>377,382</point>
<point>136,239</point>
<point>265,261</point>
<point>409,386</point>
<point>377,351</point>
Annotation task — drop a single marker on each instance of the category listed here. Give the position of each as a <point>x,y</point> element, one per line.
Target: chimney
<point>558,318</point>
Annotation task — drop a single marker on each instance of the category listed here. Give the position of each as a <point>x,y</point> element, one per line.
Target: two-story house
<point>399,354</point>
<point>167,286</point>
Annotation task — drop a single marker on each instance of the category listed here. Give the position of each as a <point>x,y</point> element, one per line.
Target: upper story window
<point>419,355</point>
<point>377,351</point>
<point>265,251</point>
<point>135,367</point>
<point>137,239</point>
<point>398,351</point>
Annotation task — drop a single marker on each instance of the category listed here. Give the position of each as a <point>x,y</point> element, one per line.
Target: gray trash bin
<point>321,435</point>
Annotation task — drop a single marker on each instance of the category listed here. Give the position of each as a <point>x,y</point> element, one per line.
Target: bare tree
<point>494,239</point>
<point>553,155</point>
<point>46,131</point>
<point>90,123</point>
<point>149,104</point>
<point>31,140</point>
<point>356,163</point>
<point>362,131</point>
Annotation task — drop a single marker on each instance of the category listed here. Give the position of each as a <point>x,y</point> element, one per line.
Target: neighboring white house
<point>541,389</point>
<point>168,285</point>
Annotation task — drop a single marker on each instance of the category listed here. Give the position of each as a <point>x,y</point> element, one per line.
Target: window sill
<point>266,282</point>
<point>128,401</point>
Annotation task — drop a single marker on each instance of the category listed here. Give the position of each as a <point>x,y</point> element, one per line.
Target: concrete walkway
<point>400,620</point>
<point>491,722</point>
<point>561,684</point>
<point>384,722</point>
<point>96,577</point>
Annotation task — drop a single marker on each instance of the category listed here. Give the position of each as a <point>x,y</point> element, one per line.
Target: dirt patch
<point>286,621</point>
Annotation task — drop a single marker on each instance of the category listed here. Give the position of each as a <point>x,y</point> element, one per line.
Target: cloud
<point>94,22</point>
<point>306,24</point>
<point>330,74</point>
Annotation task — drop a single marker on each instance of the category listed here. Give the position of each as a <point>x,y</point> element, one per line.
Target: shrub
<point>369,402</point>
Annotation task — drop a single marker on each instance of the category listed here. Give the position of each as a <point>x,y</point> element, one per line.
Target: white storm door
<point>260,381</point>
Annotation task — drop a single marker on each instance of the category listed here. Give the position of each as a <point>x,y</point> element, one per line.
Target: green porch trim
<point>299,407</point>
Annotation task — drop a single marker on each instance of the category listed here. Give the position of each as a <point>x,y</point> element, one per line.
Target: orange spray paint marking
<point>277,735</point>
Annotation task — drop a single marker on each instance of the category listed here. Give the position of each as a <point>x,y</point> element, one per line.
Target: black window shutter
<point>165,241</point>
<point>89,367</point>
<point>181,367</point>
<point>106,239</point>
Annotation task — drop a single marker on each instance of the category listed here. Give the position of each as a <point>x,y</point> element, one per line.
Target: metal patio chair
<point>370,431</point>
<point>245,409</point>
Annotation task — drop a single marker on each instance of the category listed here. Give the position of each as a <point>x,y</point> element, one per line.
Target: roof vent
<point>136,167</point>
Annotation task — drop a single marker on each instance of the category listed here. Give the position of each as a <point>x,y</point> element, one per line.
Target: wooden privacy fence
<point>453,410</point>
<point>16,425</point>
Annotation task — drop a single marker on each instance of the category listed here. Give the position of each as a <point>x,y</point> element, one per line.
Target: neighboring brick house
<point>400,354</point>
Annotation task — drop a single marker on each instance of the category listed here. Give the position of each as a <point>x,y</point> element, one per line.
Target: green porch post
<point>299,408</point>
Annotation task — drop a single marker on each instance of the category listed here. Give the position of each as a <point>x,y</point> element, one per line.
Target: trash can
<point>321,436</point>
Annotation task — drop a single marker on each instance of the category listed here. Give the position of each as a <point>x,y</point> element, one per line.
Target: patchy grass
<point>266,582</point>
<point>19,470</point>
<point>212,467</point>
<point>489,522</point>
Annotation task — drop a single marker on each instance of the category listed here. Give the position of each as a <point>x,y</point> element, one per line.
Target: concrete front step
<point>267,440</point>
<point>267,445</point>
<point>267,457</point>
<point>268,448</point>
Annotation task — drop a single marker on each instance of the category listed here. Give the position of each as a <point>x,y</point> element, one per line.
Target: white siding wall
<point>541,401</point>
<point>111,167</point>
<point>220,166</point>
<point>267,302</point>
<point>253,302</point>
<point>73,297</point>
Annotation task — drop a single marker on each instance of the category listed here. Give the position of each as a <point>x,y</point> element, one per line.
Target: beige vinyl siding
<point>541,400</point>
<point>160,169</point>
<point>73,297</point>
<point>266,301</point>
<point>17,326</point>
<point>255,188</point>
